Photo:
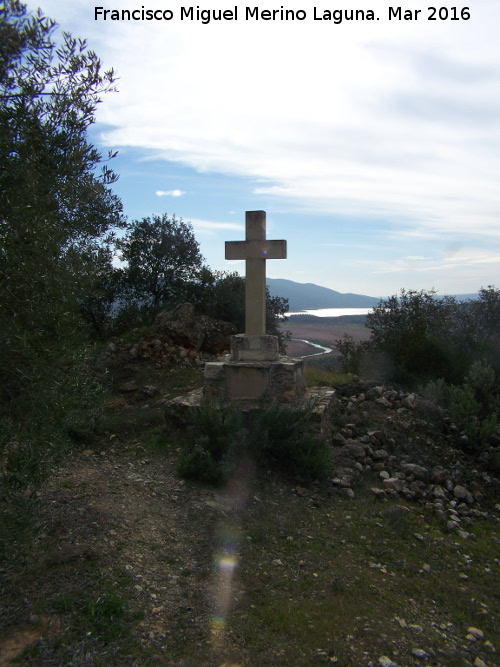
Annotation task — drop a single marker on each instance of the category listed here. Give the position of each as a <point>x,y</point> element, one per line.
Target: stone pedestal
<point>254,370</point>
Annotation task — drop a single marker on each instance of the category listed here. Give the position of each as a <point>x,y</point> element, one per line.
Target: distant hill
<point>307,296</point>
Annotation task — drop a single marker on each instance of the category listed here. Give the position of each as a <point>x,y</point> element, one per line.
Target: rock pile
<point>199,333</point>
<point>179,337</point>
<point>408,448</point>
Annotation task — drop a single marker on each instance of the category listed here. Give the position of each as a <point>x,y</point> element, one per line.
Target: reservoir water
<point>332,312</point>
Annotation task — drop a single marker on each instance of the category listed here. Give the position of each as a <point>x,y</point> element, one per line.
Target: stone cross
<point>255,250</point>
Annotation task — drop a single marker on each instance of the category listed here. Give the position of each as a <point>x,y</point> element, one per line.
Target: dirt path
<point>132,522</point>
<point>134,567</point>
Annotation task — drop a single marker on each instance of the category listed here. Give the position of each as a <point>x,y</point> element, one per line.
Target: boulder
<point>413,469</point>
<point>185,329</point>
<point>217,335</point>
<point>180,326</point>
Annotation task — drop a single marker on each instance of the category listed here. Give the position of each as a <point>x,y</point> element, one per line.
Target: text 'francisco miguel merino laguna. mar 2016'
<point>336,16</point>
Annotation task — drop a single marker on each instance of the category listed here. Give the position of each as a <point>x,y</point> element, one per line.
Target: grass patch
<point>319,377</point>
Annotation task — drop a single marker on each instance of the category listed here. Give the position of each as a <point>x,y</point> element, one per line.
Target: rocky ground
<point>416,450</point>
<point>394,560</point>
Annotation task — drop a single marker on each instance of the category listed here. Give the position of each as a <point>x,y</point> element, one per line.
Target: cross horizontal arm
<point>255,249</point>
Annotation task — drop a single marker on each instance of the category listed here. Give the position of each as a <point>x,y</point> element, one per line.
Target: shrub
<point>474,405</point>
<point>352,354</point>
<point>211,445</point>
<point>282,437</point>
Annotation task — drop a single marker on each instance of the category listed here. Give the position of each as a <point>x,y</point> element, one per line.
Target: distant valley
<point>308,296</point>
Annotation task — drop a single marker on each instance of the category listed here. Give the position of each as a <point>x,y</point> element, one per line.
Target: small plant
<point>198,463</point>
<point>494,462</point>
<point>104,613</point>
<point>436,391</point>
<point>211,445</point>
<point>352,354</point>
<point>285,436</point>
<point>474,405</point>
<point>281,436</point>
<point>137,333</point>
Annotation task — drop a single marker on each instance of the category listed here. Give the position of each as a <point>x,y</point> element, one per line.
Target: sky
<point>372,145</point>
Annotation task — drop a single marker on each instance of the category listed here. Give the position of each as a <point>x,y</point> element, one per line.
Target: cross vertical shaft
<point>255,278</point>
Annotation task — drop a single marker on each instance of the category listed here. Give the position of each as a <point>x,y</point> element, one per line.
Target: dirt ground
<point>133,566</point>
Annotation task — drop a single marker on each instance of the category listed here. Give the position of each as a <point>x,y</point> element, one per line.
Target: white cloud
<point>407,128</point>
<point>382,121</point>
<point>211,227</point>
<point>170,193</point>
<point>273,190</point>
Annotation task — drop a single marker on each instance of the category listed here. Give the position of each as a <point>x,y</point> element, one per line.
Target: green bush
<point>436,391</point>
<point>474,405</point>
<point>419,337</point>
<point>282,437</point>
<point>198,463</point>
<point>211,445</point>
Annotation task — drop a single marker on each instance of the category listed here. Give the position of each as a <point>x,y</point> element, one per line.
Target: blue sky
<point>374,146</point>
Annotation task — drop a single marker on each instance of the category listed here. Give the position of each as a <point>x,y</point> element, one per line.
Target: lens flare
<point>226,557</point>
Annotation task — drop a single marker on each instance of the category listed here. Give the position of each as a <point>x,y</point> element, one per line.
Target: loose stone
<point>419,653</point>
<point>413,469</point>
<point>338,440</point>
<point>394,483</point>
<point>460,492</point>
<point>416,628</point>
<point>475,632</point>
<point>384,661</point>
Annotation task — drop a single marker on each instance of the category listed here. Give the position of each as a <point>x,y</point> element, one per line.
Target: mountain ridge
<point>308,296</point>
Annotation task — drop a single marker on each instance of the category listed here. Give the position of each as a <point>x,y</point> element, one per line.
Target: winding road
<point>324,350</point>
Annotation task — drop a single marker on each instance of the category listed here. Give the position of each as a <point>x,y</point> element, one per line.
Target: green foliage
<point>101,612</point>
<point>198,463</point>
<point>280,436</point>
<point>473,405</point>
<point>212,445</point>
<point>285,437</point>
<point>410,330</point>
<point>221,295</point>
<point>417,337</point>
<point>162,260</point>
<point>462,403</point>
<point>436,391</point>
<point>104,614</point>
<point>57,215</point>
<point>352,354</point>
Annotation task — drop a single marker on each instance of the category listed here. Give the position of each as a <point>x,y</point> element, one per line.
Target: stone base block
<point>281,380</point>
<point>184,410</point>
<point>254,348</point>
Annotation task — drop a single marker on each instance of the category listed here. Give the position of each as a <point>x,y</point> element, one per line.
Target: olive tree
<point>57,216</point>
